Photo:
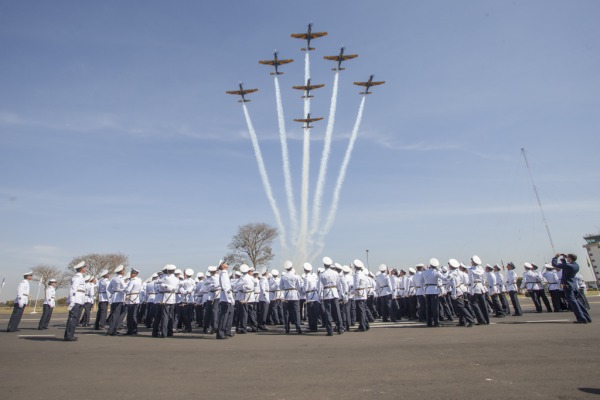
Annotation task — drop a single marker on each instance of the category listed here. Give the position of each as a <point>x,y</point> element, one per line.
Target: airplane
<point>339,58</point>
<point>368,84</point>
<point>308,88</point>
<point>307,121</point>
<point>276,63</point>
<point>242,92</point>
<point>308,36</point>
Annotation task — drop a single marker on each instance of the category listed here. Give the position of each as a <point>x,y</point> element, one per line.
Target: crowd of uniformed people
<point>333,298</point>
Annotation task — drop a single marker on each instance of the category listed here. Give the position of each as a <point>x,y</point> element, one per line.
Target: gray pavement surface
<point>533,356</point>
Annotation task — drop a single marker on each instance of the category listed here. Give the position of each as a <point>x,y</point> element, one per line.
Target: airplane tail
<point>365,93</point>
<point>278,73</point>
<point>309,49</point>
<point>307,97</point>
<point>244,101</point>
<point>338,69</point>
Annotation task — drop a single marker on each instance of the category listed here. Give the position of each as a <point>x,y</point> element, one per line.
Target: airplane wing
<point>302,120</point>
<point>299,35</point>
<point>332,58</point>
<point>360,83</point>
<point>377,83</point>
<point>281,62</point>
<point>246,91</point>
<point>319,34</point>
<point>314,119</point>
<point>349,56</point>
<point>267,62</point>
<point>238,92</point>
<point>300,87</point>
<point>316,86</point>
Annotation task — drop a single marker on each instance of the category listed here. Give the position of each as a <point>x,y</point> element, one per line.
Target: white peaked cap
<point>382,268</point>
<point>307,267</point>
<point>274,272</point>
<point>548,266</point>
<point>103,272</point>
<point>338,266</point>
<point>288,265</point>
<point>420,265</point>
<point>496,266</point>
<point>52,280</point>
<point>87,277</point>
<point>244,268</point>
<point>346,269</point>
<point>444,269</point>
<point>212,268</point>
<point>320,270</point>
<point>170,267</point>
<point>453,263</point>
<point>263,271</point>
<point>177,271</point>
<point>80,265</point>
<point>488,266</point>
<point>28,273</point>
<point>119,268</point>
<point>255,272</point>
<point>412,270</point>
<point>199,274</point>
<point>327,261</point>
<point>527,265</point>
<point>238,273</point>
<point>358,264</point>
<point>154,275</point>
<point>476,260</point>
<point>189,272</point>
<point>434,262</point>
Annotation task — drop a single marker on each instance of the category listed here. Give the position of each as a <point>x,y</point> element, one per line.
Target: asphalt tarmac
<point>532,356</point>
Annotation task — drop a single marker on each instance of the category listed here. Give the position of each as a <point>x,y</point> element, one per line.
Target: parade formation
<point>334,298</point>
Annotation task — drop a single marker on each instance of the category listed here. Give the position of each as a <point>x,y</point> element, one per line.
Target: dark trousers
<point>578,309</point>
<point>72,320</point>
<point>225,319</point>
<point>445,308</point>
<point>132,321</point>
<point>514,299</point>
<point>555,295</point>
<point>252,315</point>
<point>412,307</point>
<point>117,312</point>
<point>331,312</point>
<point>432,309</point>
<point>421,308</point>
<point>291,315</point>
<point>535,297</point>
<point>276,312</point>
<point>497,306</point>
<point>345,310</point>
<point>352,312</point>
<point>156,320</point>
<point>361,315</point>
<point>46,315</point>
<point>542,296</point>
<point>167,318</point>
<point>241,317</point>
<point>302,309</point>
<point>85,318</point>
<point>15,318</point>
<point>199,315</point>
<point>372,306</point>
<point>581,297</point>
<point>479,306</point>
<point>313,309</point>
<point>464,315</point>
<point>262,309</point>
<point>150,312</point>
<point>101,315</point>
<point>393,309</point>
<point>504,302</point>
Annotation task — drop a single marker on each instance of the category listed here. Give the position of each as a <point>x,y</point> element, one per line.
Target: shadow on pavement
<point>590,390</point>
<point>43,339</point>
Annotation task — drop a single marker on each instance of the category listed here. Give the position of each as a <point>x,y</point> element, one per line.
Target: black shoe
<point>360,330</point>
<point>72,339</point>
<point>329,333</point>
<point>470,325</point>
<point>299,332</point>
<point>580,322</point>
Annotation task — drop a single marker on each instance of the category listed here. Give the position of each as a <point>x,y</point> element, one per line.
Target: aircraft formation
<point>276,62</point>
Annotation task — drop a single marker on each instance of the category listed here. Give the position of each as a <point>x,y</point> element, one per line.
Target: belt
<point>291,289</point>
<point>330,287</point>
<point>431,284</point>
<point>26,295</point>
<point>401,288</point>
<point>381,287</point>
<point>101,292</point>
<point>552,283</point>
<point>134,293</point>
<point>418,287</point>
<point>80,291</point>
<point>310,291</point>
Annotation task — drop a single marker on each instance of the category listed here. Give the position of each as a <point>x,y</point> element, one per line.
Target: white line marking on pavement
<point>37,335</point>
<point>547,320</point>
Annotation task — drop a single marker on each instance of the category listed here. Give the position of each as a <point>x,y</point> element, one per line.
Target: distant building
<point>593,251</point>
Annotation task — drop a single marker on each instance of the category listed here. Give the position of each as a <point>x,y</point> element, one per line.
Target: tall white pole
<point>38,295</point>
<point>538,200</point>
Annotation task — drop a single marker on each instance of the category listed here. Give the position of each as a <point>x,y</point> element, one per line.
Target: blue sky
<point>116,134</point>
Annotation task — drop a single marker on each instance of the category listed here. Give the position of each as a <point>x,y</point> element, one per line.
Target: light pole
<point>369,269</point>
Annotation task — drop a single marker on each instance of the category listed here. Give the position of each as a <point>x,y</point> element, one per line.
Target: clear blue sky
<point>116,134</point>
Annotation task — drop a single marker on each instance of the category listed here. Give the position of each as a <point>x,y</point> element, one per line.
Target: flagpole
<point>38,296</point>
<point>1,286</point>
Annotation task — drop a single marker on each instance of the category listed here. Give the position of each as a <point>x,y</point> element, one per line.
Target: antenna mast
<point>538,200</point>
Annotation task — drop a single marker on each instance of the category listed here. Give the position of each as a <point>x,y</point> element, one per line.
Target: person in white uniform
<point>21,302</point>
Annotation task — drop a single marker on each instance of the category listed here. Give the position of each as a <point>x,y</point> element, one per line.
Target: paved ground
<point>533,356</point>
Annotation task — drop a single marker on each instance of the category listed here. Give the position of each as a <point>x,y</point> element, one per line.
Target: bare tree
<point>45,272</point>
<point>97,262</point>
<point>252,245</point>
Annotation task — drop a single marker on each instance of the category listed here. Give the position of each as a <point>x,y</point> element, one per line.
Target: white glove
<point>71,305</point>
<point>21,303</point>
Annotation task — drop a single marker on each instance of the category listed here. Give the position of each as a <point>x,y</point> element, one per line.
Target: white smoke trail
<point>342,175</point>
<point>318,199</point>
<point>303,236</point>
<point>286,161</point>
<point>265,180</point>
